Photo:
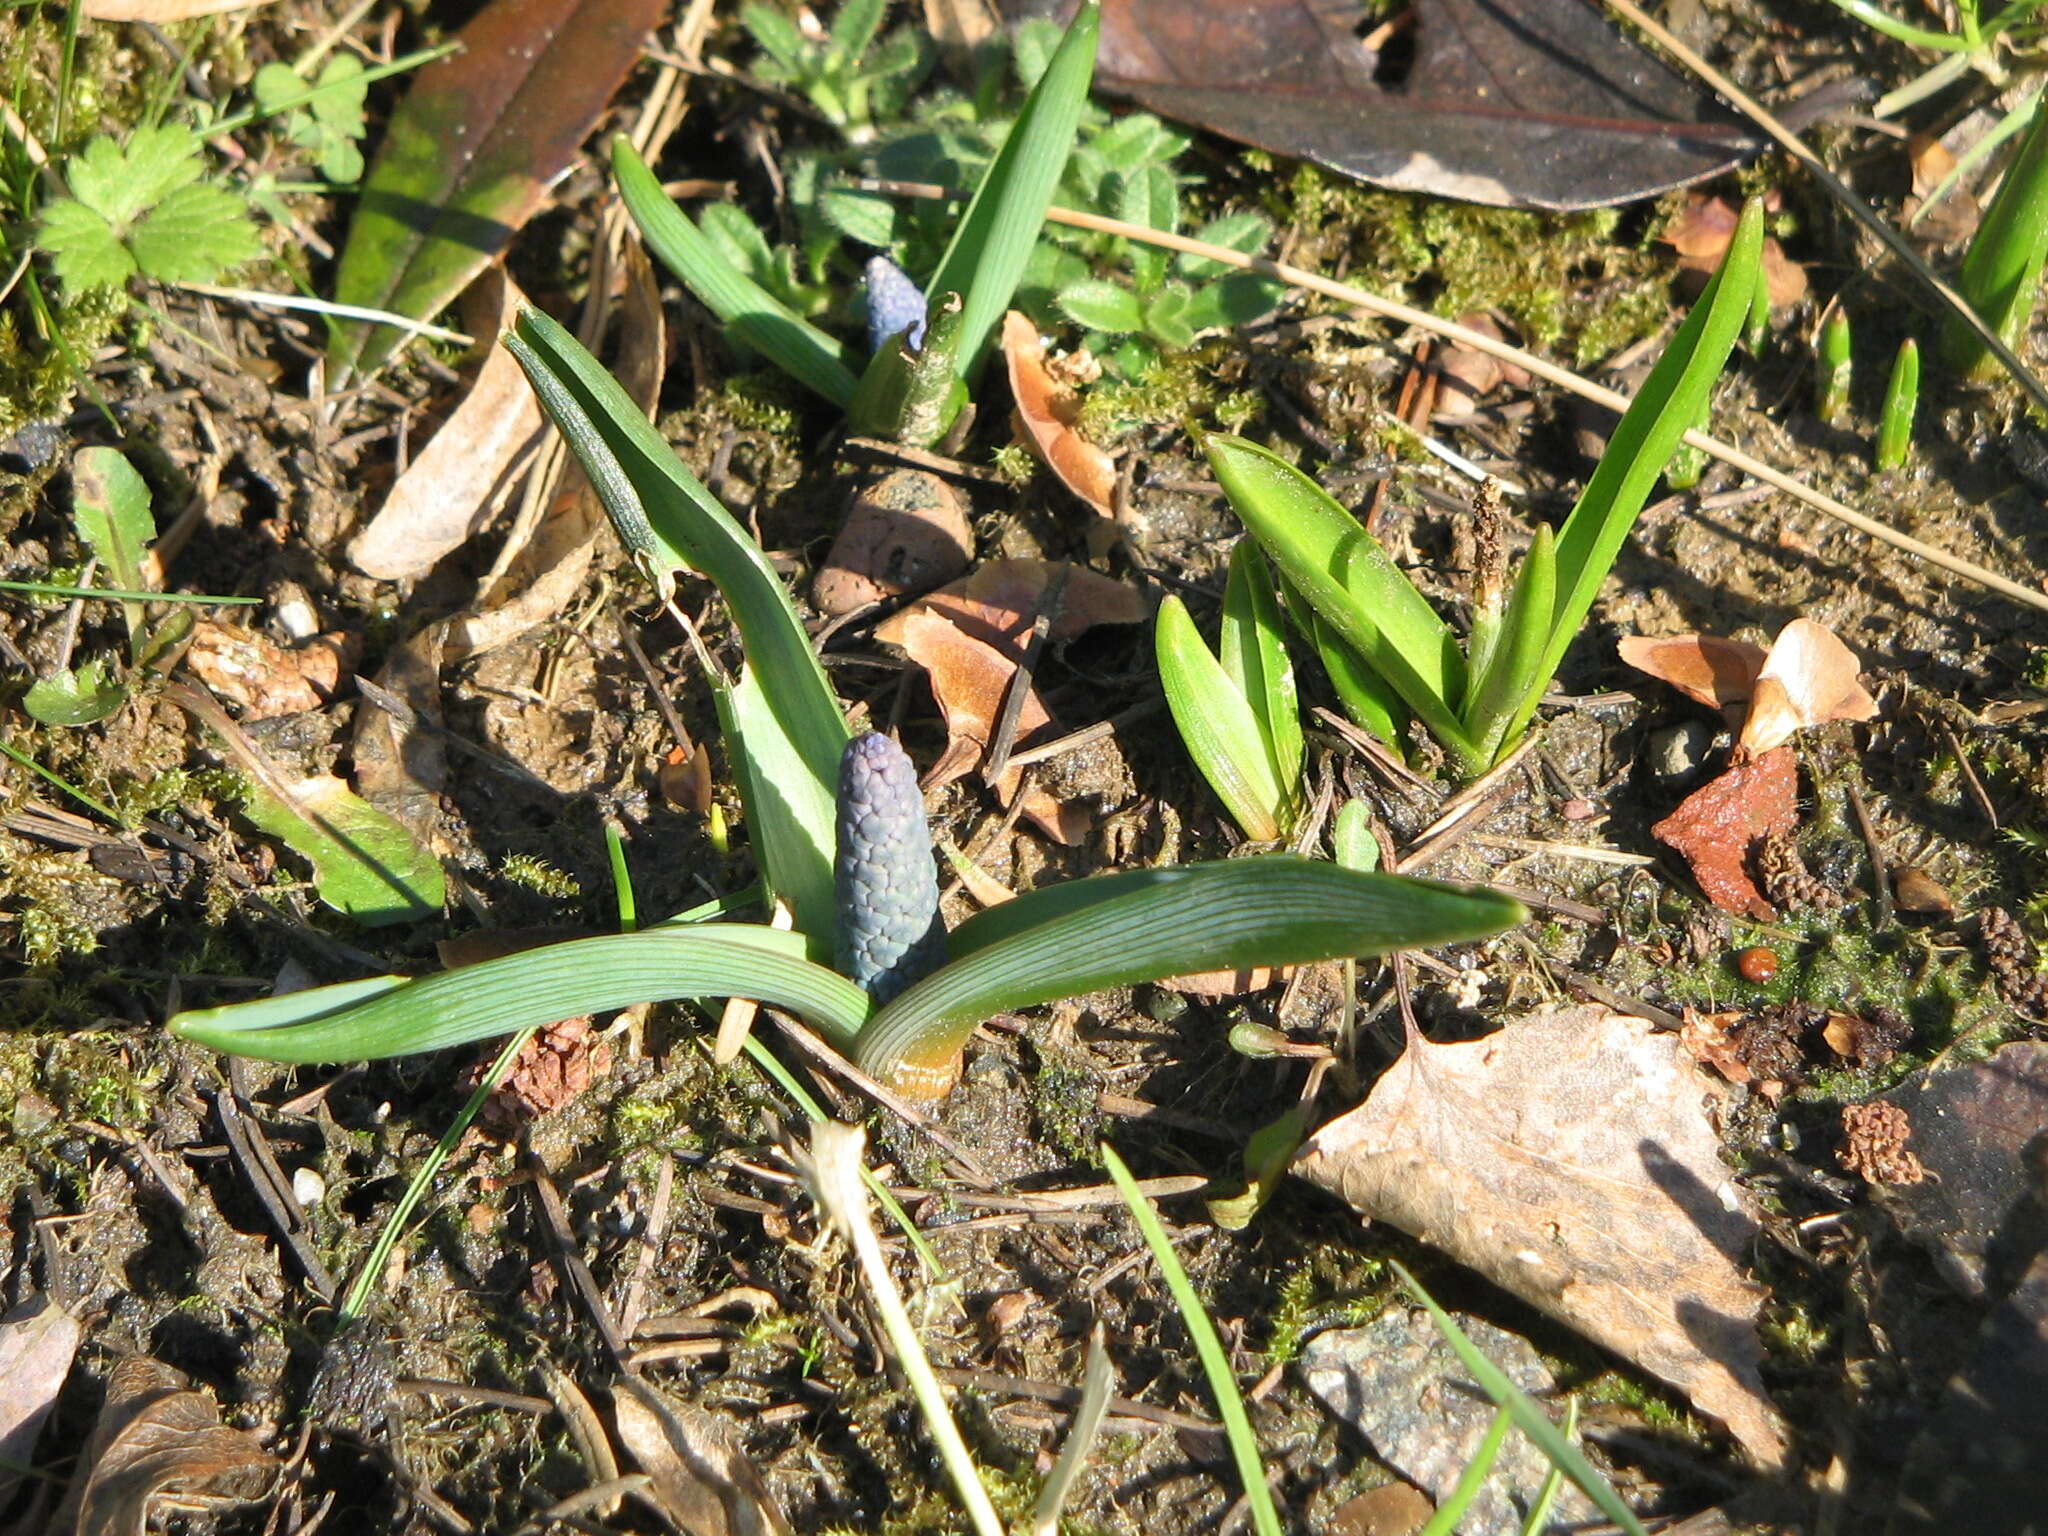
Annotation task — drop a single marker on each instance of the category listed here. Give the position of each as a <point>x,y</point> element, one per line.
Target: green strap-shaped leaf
<point>670,522</point>
<point>1524,627</point>
<point>747,310</point>
<point>1369,699</point>
<point>1253,650</point>
<point>394,1016</point>
<point>1117,930</point>
<point>1220,729</point>
<point>995,236</point>
<point>1673,399</point>
<point>1350,581</point>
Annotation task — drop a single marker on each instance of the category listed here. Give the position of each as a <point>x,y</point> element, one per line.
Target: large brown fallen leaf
<point>970,637</point>
<point>1722,822</point>
<point>1048,410</point>
<point>1570,1159</point>
<point>462,476</point>
<point>1519,103</point>
<point>904,534</point>
<point>157,1438</point>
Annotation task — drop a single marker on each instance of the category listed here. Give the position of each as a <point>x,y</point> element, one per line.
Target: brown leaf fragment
<point>904,534</point>
<point>1956,216</point>
<point>1808,679</point>
<point>1718,824</point>
<point>157,1438</point>
<point>1392,1509</point>
<point>550,1071</point>
<point>1714,672</point>
<point>1874,1138</point>
<point>1466,375</point>
<point>162,12</point>
<point>1977,1130</point>
<point>248,669</point>
<point>702,1478</point>
<point>400,764</point>
<point>971,636</point>
<point>1916,891</point>
<point>1570,1158</point>
<point>464,474</point>
<point>1047,410</point>
<point>1868,1039</point>
<point>38,1340</point>
<point>1700,235</point>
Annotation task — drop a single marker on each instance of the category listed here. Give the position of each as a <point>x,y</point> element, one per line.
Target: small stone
<point>1677,751</point>
<point>308,1188</point>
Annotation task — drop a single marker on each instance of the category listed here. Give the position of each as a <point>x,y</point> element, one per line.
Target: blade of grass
<point>1218,726</point>
<point>395,1016</point>
<point>1142,925</point>
<point>748,310</point>
<point>995,236</point>
<point>1254,654</point>
<point>1905,32</point>
<point>1349,580</point>
<point>1369,699</point>
<point>1096,1382</point>
<point>1529,1419</point>
<point>1237,1424</point>
<point>1553,1481</point>
<point>1445,1521</point>
<point>116,594</point>
<point>2001,273</point>
<point>666,517</point>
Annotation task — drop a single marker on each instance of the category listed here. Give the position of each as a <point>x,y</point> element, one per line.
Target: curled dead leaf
<point>156,1437</point>
<point>1809,678</point>
<point>1718,673</point>
<point>701,1477</point>
<point>38,1340</point>
<point>1046,416</point>
<point>904,534</point>
<point>1570,1158</point>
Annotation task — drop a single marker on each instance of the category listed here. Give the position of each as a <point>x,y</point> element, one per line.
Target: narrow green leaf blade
<point>666,517</point>
<point>1672,400</point>
<point>1218,727</point>
<point>395,1016</point>
<point>748,310</point>
<point>1253,650</point>
<point>1524,628</point>
<point>996,234</point>
<point>470,153</point>
<point>1529,1419</point>
<point>1373,703</point>
<point>1349,580</point>
<point>1142,925</point>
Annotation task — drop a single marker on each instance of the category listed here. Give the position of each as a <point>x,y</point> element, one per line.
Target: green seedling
<point>907,392</point>
<point>1836,364</point>
<point>331,125</point>
<point>1477,700</point>
<point>2001,272</point>
<point>1237,711</point>
<point>788,740</point>
<point>1901,398</point>
<point>851,79</point>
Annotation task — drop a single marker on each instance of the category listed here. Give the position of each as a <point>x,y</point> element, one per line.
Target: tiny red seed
<point>1757,965</point>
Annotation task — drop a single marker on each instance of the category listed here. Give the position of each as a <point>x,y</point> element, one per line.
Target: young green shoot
<point>1901,398</point>
<point>1237,1424</point>
<point>2001,273</point>
<point>1836,366</point>
<point>1477,700</point>
<point>1445,1521</point>
<point>1237,712</point>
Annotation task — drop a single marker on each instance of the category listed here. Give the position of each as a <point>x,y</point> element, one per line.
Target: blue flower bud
<point>890,934</point>
<point>895,304</point>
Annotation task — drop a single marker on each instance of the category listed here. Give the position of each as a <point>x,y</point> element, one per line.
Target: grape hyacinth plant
<point>890,932</point>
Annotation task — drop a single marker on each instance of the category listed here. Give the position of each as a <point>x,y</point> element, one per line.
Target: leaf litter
<point>1572,1159</point>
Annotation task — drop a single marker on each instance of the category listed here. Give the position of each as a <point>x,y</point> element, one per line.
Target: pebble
<point>308,1188</point>
<point>1677,751</point>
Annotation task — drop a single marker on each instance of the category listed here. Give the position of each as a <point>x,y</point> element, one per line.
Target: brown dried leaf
<point>1958,214</point>
<point>1809,678</point>
<point>401,766</point>
<point>158,1437</point>
<point>162,12</point>
<point>904,534</point>
<point>37,1342</point>
<point>1570,1159</point>
<point>971,636</point>
<point>1717,673</point>
<point>1718,824</point>
<point>551,565</point>
<point>1701,232</point>
<point>1047,410</point>
<point>702,1479</point>
<point>464,474</point>
<point>246,668</point>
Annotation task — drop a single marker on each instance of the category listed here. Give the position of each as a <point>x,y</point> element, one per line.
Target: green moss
<point>1563,278</point>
